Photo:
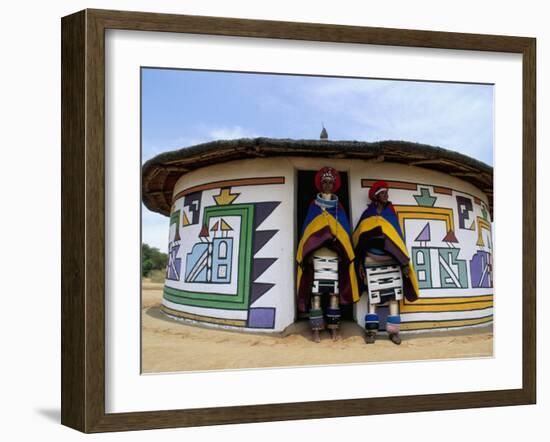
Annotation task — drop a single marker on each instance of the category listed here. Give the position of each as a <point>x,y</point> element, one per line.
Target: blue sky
<point>181,108</point>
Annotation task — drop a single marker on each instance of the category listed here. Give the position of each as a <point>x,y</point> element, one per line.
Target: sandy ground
<point>171,345</point>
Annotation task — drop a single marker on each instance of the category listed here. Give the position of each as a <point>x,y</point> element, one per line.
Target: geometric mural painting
<point>424,236</point>
<point>210,260</point>
<point>465,206</point>
<point>191,209</point>
<point>425,199</point>
<point>220,266</point>
<point>481,269</point>
<point>453,264</point>
<point>174,264</point>
<point>453,270</point>
<point>484,212</point>
<point>450,238</point>
<point>405,212</point>
<point>482,224</point>
<point>439,267</point>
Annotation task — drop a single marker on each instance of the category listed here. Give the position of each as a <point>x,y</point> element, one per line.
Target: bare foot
<point>335,334</point>
<point>315,336</point>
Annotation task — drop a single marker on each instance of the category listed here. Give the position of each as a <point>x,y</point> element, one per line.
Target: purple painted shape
<point>480,269</point>
<point>261,237</point>
<point>258,290</point>
<point>424,235</point>
<point>174,264</point>
<point>261,317</point>
<point>263,210</point>
<point>260,265</point>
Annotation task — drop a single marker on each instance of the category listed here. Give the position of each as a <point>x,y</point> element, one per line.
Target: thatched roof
<point>159,174</point>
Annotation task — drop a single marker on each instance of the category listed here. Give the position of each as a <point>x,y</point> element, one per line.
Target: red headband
<point>376,187</point>
<point>328,172</point>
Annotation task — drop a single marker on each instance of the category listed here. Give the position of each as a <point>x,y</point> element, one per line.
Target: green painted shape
<point>484,213</point>
<point>175,218</point>
<point>425,199</point>
<point>422,262</point>
<point>240,301</point>
<point>450,257</point>
<point>210,300</point>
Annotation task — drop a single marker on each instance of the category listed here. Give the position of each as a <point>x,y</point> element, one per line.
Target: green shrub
<point>152,259</point>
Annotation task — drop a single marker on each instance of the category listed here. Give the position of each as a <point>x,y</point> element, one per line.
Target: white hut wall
<point>249,205</point>
<point>448,232</point>
<point>231,261</point>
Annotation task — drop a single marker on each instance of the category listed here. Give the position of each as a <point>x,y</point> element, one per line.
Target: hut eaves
<point>160,174</point>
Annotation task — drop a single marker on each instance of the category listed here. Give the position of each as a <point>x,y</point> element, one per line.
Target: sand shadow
<point>349,329</point>
<point>154,312</point>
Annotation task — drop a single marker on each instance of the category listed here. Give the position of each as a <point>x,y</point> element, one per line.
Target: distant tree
<point>152,259</point>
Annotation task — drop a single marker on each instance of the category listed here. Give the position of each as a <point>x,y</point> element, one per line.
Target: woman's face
<point>327,185</point>
<point>383,196</point>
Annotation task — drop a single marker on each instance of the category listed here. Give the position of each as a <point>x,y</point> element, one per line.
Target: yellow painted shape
<point>185,221</point>
<point>456,307</point>
<point>201,318</point>
<point>225,226</point>
<point>225,197</point>
<point>451,300</point>
<point>482,224</point>
<point>425,325</point>
<point>416,212</point>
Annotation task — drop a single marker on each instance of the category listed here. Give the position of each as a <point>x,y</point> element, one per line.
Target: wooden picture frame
<point>83,209</point>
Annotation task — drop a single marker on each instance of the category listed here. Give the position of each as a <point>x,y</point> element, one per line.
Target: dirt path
<point>170,345</point>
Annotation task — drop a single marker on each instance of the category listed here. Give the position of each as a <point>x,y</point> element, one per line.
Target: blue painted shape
<point>423,266</point>
<point>453,271</point>
<point>202,275</point>
<point>174,264</point>
<point>195,262</point>
<point>222,260</point>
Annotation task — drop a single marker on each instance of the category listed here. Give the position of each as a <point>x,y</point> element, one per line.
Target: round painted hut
<point>236,208</point>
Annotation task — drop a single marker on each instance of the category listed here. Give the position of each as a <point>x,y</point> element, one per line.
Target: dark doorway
<point>307,193</point>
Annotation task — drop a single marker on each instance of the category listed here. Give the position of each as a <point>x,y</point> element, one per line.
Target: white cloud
<point>201,135</point>
<point>455,116</point>
<point>227,133</point>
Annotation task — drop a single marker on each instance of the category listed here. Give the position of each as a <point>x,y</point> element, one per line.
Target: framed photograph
<point>269,220</point>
